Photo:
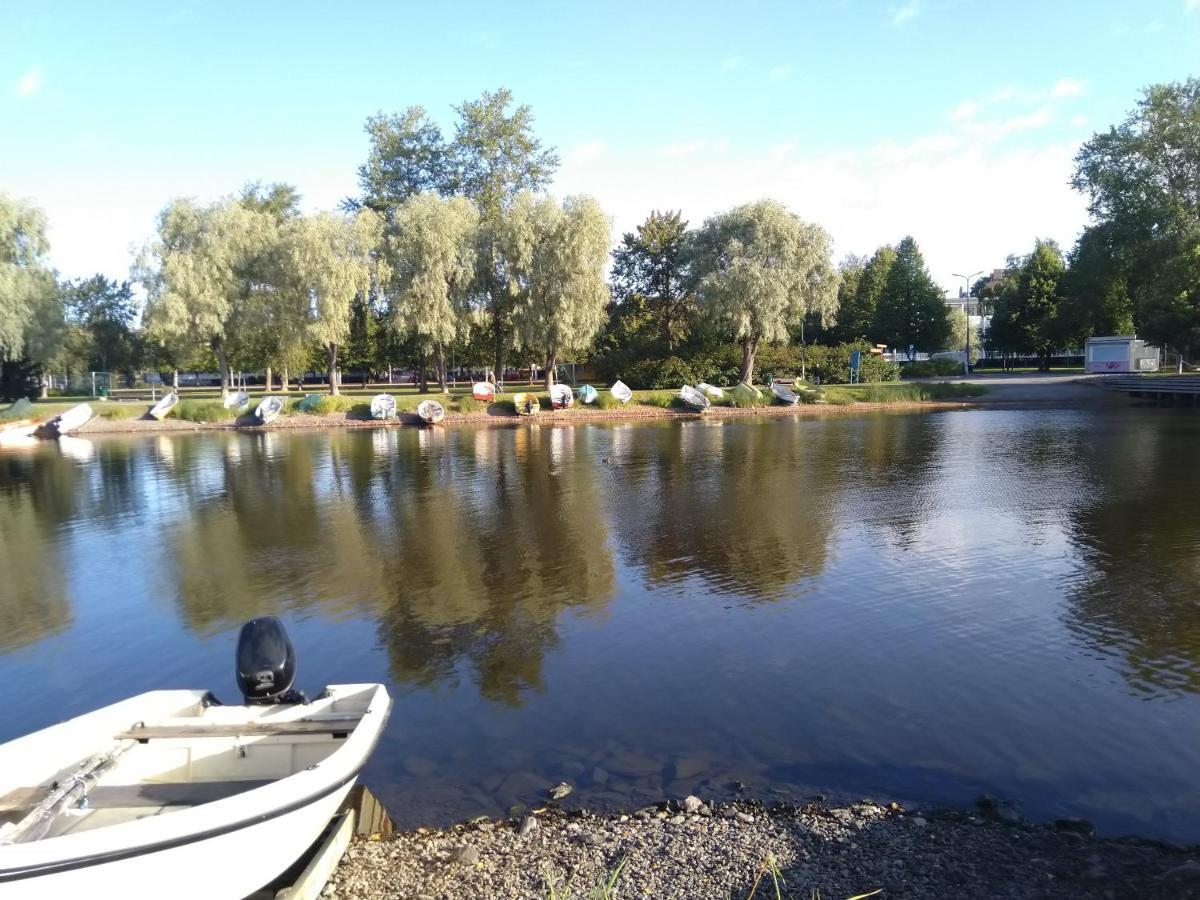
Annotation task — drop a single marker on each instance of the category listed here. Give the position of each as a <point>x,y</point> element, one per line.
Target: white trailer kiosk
<point>1123,353</point>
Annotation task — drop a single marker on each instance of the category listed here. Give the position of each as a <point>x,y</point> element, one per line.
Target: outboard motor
<point>266,663</point>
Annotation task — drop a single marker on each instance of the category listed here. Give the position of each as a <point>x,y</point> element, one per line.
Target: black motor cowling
<point>266,663</point>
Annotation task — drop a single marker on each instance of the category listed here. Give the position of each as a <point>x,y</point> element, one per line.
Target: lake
<point>917,607</point>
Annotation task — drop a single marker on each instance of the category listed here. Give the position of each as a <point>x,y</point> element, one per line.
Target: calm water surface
<point>916,607</point>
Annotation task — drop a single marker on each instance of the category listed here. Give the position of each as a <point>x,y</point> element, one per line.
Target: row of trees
<point>454,248</point>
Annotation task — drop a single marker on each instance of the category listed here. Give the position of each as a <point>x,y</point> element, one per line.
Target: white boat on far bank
<point>160,409</point>
<point>269,409</point>
<point>71,420</point>
<point>621,391</point>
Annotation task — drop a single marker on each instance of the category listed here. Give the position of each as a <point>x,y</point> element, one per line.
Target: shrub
<point>605,400</point>
<point>469,404</point>
<point>661,399</point>
<point>931,368</point>
<point>831,364</point>
<point>204,411</point>
<point>325,404</point>
<point>660,374</point>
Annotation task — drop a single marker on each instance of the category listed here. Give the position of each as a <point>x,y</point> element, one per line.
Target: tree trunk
<point>283,379</point>
<point>269,379</point>
<point>175,380</point>
<point>439,366</point>
<point>45,394</point>
<point>551,364</point>
<point>749,348</point>
<point>218,346</point>
<point>424,375</point>
<point>331,352</point>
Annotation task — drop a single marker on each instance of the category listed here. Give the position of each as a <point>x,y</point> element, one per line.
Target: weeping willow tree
<point>203,272</point>
<point>557,255</point>
<point>31,320</point>
<point>433,260</point>
<point>331,259</point>
<point>759,270</point>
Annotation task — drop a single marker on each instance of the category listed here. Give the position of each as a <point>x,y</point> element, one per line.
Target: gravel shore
<point>691,850</point>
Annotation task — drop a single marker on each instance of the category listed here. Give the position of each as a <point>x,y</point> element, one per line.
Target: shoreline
<point>304,421</point>
<point>689,849</point>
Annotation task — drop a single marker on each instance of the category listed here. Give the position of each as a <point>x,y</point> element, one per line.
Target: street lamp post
<point>967,282</point>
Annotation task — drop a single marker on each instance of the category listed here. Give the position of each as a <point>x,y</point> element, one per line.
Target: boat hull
<point>526,404</point>
<point>233,864</point>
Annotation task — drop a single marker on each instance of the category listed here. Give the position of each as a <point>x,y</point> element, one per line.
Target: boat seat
<point>123,796</point>
<point>342,726</point>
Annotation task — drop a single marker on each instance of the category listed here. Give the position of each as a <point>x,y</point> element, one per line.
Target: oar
<point>72,789</point>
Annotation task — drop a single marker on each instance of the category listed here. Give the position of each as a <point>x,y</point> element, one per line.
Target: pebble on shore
<point>691,849</point>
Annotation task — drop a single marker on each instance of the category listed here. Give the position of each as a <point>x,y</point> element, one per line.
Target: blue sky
<point>955,121</point>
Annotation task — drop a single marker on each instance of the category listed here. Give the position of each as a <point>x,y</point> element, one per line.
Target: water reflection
<point>928,607</point>
<point>1138,538</point>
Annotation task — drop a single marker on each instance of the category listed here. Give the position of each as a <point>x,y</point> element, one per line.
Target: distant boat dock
<point>1171,390</point>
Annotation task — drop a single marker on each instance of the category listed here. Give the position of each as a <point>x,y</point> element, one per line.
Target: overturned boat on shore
<point>561,396</point>
<point>784,394</point>
<point>431,412</point>
<point>694,398</point>
<point>71,420</point>
<point>526,404</point>
<point>163,407</point>
<point>383,406</point>
<point>171,793</point>
<point>621,391</point>
<point>269,409</point>
<point>483,390</point>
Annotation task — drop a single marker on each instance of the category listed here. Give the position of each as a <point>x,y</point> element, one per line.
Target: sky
<point>955,121</point>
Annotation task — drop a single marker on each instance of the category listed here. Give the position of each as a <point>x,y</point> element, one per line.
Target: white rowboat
<point>483,390</point>
<point>170,793</point>
<point>621,391</point>
<point>713,393</point>
<point>561,397</point>
<point>160,409</point>
<point>694,398</point>
<point>237,400</point>
<point>269,409</point>
<point>784,394</point>
<point>431,412</point>
<point>383,406</point>
<point>73,419</point>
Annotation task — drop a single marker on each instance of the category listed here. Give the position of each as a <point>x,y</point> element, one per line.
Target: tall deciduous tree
<point>652,263</point>
<point>1142,179</point>
<point>495,156</point>
<point>557,256</point>
<point>911,311</point>
<point>760,269</point>
<point>200,275</point>
<point>407,157</point>
<point>104,311</point>
<point>1029,315</point>
<point>332,259</point>
<point>433,260</point>
<point>30,311</point>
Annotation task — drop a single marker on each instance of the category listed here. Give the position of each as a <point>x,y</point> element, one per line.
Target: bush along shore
<point>746,850</point>
<point>353,410</point>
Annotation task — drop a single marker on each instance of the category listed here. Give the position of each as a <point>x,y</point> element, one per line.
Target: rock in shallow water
<point>560,790</point>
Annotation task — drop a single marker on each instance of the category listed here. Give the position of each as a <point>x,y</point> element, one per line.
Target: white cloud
<point>968,109</point>
<point>1190,6</point>
<point>969,195</point>
<point>29,83</point>
<point>780,72</point>
<point>684,148</point>
<point>589,151</point>
<point>908,11</point>
<point>1079,120</point>
<point>1068,87</point>
<point>732,63</point>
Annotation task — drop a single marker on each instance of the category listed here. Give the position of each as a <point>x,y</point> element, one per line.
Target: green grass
<point>122,410</point>
<point>204,411</point>
<point>894,392</point>
<point>605,400</point>
<point>469,404</point>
